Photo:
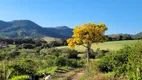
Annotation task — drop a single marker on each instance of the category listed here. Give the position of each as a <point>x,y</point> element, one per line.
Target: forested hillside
<point>29,29</point>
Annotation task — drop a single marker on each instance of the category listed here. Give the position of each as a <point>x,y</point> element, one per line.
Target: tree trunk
<point>1,75</point>
<point>88,52</point>
<point>88,55</point>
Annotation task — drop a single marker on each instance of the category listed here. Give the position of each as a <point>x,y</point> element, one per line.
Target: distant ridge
<point>62,27</point>
<point>138,35</point>
<point>29,29</point>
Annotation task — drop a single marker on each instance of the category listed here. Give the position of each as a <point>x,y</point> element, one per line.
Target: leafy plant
<point>125,62</point>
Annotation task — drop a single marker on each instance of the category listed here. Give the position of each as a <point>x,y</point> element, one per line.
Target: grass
<point>112,45</point>
<point>50,39</point>
<point>12,46</point>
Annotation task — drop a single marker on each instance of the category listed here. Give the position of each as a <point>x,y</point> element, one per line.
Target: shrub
<point>107,63</point>
<point>62,60</point>
<point>50,51</point>
<point>81,63</point>
<point>100,53</point>
<point>24,66</point>
<point>71,53</point>
<point>125,62</point>
<point>115,59</point>
<point>56,52</point>
<point>81,55</point>
<point>49,70</point>
<point>73,63</point>
<point>97,54</point>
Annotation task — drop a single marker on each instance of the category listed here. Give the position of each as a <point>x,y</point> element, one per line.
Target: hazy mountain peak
<point>2,21</point>
<point>24,23</point>
<point>62,27</point>
<point>21,21</point>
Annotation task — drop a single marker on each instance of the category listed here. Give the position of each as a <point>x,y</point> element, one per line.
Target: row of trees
<point>22,40</point>
<point>33,43</point>
<point>118,37</point>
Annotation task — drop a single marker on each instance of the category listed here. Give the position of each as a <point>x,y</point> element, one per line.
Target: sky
<point>120,16</point>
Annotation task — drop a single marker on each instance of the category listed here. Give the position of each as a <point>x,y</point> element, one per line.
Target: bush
<point>49,70</point>
<point>51,51</point>
<point>81,55</point>
<point>125,62</point>
<point>100,53</point>
<point>107,63</point>
<point>96,54</point>
<point>71,53</point>
<point>113,60</point>
<point>56,52</point>
<point>62,60</point>
<point>81,63</point>
<point>24,66</point>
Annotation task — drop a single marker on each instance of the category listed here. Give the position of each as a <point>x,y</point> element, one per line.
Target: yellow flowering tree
<point>87,34</point>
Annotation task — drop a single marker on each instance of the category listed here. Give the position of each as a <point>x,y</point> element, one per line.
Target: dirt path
<point>78,75</point>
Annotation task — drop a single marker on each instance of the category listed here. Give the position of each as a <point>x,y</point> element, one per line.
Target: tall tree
<point>87,34</point>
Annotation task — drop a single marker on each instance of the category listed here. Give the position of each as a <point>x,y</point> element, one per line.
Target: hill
<point>29,29</point>
<point>138,35</point>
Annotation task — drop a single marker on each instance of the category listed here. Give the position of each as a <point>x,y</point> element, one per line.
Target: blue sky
<point>120,16</point>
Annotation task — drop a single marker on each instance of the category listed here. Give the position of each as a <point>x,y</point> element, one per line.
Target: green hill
<point>29,29</point>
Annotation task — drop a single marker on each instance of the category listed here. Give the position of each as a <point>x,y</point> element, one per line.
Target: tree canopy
<point>87,34</point>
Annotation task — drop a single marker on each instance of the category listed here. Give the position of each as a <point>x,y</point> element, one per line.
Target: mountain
<point>29,29</point>
<point>4,24</point>
<point>64,30</point>
<point>138,35</point>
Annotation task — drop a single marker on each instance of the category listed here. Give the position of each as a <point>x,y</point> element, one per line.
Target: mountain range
<point>29,29</point>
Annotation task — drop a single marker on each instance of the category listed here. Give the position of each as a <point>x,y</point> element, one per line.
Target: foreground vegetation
<point>20,64</point>
<point>119,64</point>
<point>123,63</point>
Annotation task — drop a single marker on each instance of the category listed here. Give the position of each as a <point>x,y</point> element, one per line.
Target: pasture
<point>111,45</point>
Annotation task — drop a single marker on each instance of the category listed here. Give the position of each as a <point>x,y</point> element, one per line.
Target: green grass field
<point>112,45</point>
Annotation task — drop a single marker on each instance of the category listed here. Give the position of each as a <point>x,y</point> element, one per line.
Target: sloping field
<point>49,39</point>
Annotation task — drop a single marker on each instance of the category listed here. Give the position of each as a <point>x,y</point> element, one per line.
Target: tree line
<point>119,37</point>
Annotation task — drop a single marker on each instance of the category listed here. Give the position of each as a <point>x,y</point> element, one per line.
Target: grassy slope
<point>49,39</point>
<point>112,45</point>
